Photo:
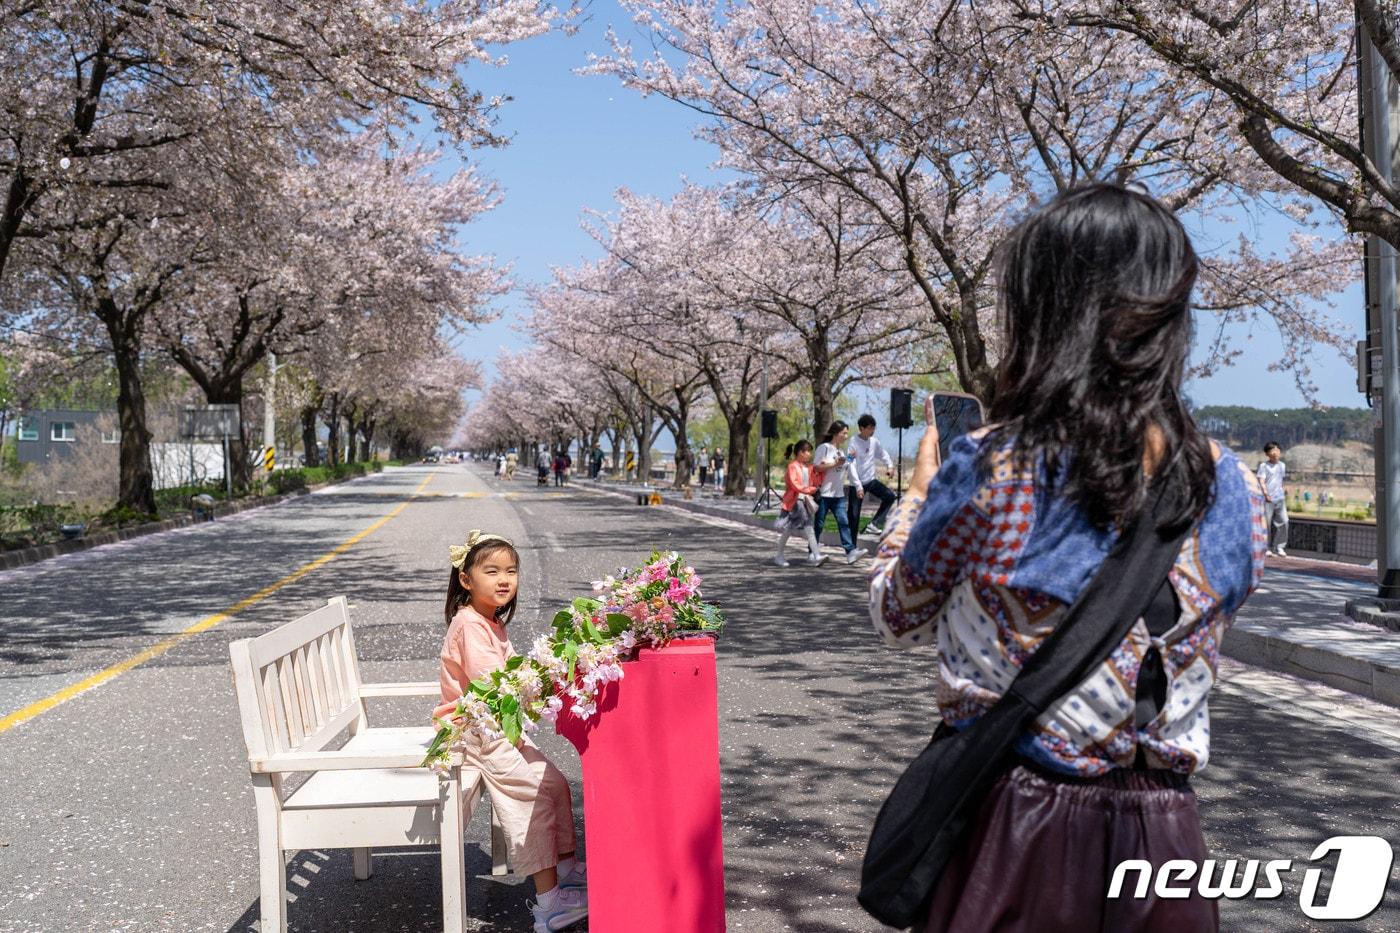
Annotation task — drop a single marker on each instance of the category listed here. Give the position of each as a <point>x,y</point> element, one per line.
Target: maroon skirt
<point>1043,849</point>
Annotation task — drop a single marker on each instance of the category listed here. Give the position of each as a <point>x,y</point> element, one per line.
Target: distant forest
<point>1251,428</point>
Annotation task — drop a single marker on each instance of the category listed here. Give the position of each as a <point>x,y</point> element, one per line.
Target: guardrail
<point>1343,537</point>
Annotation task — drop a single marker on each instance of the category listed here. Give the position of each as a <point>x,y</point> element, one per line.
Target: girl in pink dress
<point>531,795</point>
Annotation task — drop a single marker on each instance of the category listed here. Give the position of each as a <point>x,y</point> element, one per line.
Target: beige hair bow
<point>457,553</point>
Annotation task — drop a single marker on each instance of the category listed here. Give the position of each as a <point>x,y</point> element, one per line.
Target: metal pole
<point>761,467</point>
<point>269,422</point>
<point>228,470</point>
<point>899,476</point>
<point>1378,93</point>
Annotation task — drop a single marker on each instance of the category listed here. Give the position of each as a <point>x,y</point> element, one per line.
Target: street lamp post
<point>1380,122</point>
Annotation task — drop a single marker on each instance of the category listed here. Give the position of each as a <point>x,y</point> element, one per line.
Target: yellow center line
<point>203,625</point>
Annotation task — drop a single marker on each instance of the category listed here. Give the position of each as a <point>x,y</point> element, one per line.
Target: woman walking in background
<point>987,551</point>
<point>836,474</point>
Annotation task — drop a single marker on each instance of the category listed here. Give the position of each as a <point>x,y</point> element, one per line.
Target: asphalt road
<point>128,806</point>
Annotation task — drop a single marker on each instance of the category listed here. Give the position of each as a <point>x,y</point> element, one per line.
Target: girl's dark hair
<point>458,595</point>
<point>795,449</point>
<point>835,428</point>
<point>1271,446</point>
<point>1096,303</point>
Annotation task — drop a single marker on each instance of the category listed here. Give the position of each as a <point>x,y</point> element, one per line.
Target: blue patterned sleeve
<point>924,552</point>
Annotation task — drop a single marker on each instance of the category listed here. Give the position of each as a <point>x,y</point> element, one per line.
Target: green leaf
<point>590,631</point>
<point>586,606</point>
<point>618,623</point>
<point>563,619</point>
<point>515,662</point>
<point>510,718</point>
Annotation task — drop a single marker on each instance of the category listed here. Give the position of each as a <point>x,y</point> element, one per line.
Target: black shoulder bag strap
<point>936,800</point>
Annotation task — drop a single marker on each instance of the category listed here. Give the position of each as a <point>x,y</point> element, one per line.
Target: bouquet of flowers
<point>647,605</point>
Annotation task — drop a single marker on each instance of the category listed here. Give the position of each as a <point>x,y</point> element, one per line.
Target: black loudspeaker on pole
<point>901,408</point>
<point>770,424</point>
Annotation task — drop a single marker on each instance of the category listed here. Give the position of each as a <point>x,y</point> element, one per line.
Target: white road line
<point>553,541</point>
<point>527,510</point>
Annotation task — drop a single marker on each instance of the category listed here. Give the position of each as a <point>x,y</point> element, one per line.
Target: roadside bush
<point>287,480</point>
<point>121,515</point>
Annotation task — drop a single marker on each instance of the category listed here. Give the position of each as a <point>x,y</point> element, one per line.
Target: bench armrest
<point>337,761</point>
<point>414,689</point>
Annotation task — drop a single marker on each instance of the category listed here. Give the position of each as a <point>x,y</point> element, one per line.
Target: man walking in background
<point>1271,473</point>
<point>865,450</point>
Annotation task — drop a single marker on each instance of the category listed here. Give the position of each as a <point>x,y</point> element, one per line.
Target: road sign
<point>269,458</point>
<point>210,422</point>
<point>631,461</point>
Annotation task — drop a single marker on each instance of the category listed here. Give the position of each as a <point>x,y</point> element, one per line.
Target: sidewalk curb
<point>11,560</point>
<point>1361,676</point>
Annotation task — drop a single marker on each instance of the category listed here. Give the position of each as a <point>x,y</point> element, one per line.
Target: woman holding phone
<point>994,541</point>
<point>836,473</point>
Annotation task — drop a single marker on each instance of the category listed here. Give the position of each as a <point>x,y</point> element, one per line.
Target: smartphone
<point>955,414</point>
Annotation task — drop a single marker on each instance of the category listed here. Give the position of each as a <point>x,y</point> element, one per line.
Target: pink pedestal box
<point>651,795</point>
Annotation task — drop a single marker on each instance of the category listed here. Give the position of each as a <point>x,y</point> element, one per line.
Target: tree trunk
<point>685,462</point>
<point>367,437</point>
<point>310,448</point>
<point>136,480</point>
<point>333,427</point>
<point>352,440</point>
<point>736,467</point>
<point>823,402</point>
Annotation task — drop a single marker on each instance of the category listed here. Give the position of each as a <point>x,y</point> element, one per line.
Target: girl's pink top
<point>474,646</point>
<point>799,480</point>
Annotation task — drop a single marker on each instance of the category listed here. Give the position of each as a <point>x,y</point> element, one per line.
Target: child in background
<point>1271,473</point>
<point>798,504</point>
<point>531,795</point>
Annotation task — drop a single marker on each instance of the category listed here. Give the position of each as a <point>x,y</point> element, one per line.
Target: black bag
<point>933,805</point>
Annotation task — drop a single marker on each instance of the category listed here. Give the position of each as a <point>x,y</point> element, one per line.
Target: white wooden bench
<point>299,689</point>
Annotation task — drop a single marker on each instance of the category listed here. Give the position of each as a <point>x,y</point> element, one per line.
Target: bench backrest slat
<point>298,685</point>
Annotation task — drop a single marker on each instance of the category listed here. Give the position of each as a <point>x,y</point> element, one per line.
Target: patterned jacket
<point>987,566</point>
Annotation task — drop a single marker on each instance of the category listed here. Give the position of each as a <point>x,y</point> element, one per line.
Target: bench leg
<point>454,862</point>
<point>499,865</point>
<point>272,870</point>
<point>364,863</point>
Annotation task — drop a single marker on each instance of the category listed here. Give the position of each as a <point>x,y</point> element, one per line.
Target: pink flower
<point>637,612</point>
<point>678,592</point>
<point>657,572</point>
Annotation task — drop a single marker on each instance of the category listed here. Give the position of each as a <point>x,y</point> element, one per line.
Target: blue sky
<point>577,139</point>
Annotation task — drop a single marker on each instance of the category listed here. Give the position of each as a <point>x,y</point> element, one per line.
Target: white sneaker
<point>816,560</point>
<point>874,529</point>
<point>1281,553</point>
<point>780,562</point>
<point>570,906</point>
<point>857,554</point>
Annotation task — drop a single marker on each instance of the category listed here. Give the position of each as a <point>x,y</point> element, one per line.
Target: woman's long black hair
<point>1096,303</point>
<point>459,596</point>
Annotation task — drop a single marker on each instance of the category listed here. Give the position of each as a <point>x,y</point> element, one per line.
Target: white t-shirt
<point>1271,476</point>
<point>864,453</point>
<point>834,479</point>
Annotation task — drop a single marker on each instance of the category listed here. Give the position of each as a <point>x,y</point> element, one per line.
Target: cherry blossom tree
<point>90,88</point>
<point>949,122</point>
<point>358,252</point>
<point>1287,72</point>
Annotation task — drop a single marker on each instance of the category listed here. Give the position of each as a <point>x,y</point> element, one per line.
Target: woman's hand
<point>928,459</point>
